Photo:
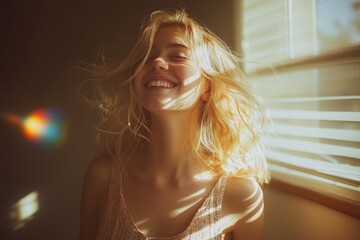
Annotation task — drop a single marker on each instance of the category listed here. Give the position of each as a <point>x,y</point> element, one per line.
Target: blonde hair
<point>232,121</point>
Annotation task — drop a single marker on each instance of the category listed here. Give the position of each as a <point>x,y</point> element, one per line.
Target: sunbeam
<point>24,210</point>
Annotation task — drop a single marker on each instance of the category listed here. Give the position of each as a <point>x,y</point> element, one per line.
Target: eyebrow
<point>176,45</point>
<point>173,45</point>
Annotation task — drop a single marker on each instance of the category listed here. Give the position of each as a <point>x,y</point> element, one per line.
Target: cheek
<point>191,76</point>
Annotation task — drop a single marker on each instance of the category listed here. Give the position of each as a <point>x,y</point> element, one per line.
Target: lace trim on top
<point>119,224</point>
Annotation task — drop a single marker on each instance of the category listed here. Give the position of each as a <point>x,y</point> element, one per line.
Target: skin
<point>159,183</point>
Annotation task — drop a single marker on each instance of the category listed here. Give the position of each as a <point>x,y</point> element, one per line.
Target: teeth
<point>159,84</point>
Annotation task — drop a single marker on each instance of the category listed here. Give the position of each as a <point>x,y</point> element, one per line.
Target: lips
<point>159,81</point>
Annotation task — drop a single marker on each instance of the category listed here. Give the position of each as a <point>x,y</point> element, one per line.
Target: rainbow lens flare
<point>44,127</point>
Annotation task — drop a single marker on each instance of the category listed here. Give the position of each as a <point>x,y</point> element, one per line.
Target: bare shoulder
<point>241,189</point>
<point>99,169</point>
<point>96,180</point>
<point>243,207</point>
<point>94,194</point>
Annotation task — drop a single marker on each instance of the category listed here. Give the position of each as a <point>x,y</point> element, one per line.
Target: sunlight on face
<point>188,98</point>
<point>167,101</point>
<point>192,78</point>
<point>170,79</point>
<point>183,102</point>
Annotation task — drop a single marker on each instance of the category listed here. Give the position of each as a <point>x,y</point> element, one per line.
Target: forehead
<point>168,35</point>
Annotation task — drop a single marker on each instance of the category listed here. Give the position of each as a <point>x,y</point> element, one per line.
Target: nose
<point>159,63</point>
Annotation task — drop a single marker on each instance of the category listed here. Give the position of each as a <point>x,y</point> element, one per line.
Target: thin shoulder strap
<point>217,202</point>
<point>113,212</point>
<point>207,220</point>
<point>112,200</point>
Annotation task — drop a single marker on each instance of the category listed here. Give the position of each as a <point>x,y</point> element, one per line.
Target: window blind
<point>304,57</point>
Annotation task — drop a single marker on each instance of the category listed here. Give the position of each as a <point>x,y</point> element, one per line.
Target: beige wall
<point>291,217</point>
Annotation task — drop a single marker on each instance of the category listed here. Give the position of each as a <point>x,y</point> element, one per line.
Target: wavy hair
<point>228,137</point>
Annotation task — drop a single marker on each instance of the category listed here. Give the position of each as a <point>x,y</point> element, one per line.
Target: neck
<point>167,156</point>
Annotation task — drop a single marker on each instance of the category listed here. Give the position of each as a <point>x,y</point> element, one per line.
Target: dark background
<point>41,43</point>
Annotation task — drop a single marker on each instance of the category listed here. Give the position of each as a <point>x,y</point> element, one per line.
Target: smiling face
<point>170,80</point>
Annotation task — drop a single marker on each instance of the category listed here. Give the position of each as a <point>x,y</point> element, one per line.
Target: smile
<point>164,84</point>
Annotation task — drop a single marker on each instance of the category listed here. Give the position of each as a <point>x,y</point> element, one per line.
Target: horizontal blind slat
<point>312,147</point>
<point>340,170</point>
<point>317,132</point>
<point>317,115</point>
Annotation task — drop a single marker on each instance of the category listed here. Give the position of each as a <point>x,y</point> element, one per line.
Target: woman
<point>181,128</point>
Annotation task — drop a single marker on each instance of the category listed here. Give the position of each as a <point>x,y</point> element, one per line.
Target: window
<point>304,57</point>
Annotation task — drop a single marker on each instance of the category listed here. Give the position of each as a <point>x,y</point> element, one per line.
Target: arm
<point>93,196</point>
<point>244,209</point>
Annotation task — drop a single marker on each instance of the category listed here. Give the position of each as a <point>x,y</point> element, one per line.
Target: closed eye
<point>178,57</point>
